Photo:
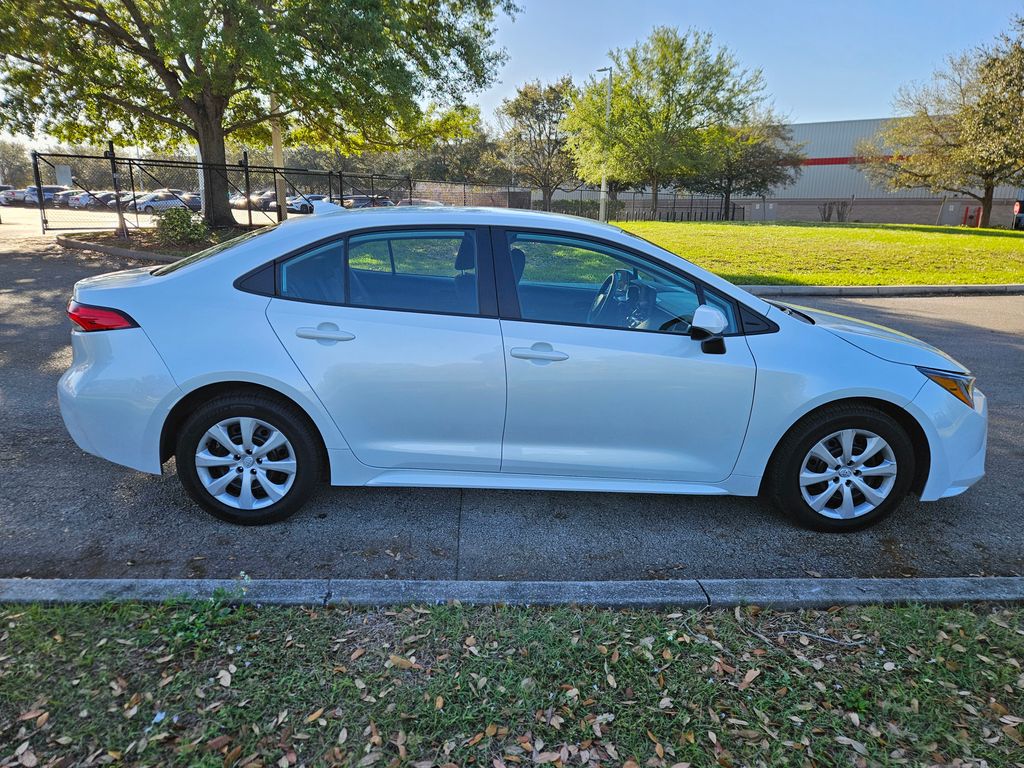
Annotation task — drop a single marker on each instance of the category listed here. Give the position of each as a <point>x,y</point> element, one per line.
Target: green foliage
<point>15,165</point>
<point>666,91</point>
<point>587,208</point>
<point>532,144</point>
<point>749,159</point>
<point>961,132</point>
<point>179,226</point>
<point>345,76</point>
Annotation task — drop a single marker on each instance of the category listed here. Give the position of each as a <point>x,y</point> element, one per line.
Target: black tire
<point>148,209</point>
<point>783,476</point>
<point>286,418</point>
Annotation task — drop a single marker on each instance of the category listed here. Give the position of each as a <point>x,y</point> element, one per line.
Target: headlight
<point>959,385</point>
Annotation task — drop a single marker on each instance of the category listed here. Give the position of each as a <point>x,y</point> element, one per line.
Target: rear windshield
<point>213,250</point>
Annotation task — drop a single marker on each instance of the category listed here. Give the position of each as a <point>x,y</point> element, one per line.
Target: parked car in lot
<point>493,348</point>
<point>154,202</point>
<point>32,195</point>
<point>96,199</point>
<point>420,201</point>
<point>62,199</point>
<point>367,201</point>
<point>12,197</point>
<point>267,201</point>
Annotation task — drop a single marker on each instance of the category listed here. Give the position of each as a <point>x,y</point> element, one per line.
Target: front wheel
<point>248,459</point>
<point>842,468</point>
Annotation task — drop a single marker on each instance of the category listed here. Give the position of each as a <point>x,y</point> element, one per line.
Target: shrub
<point>179,226</point>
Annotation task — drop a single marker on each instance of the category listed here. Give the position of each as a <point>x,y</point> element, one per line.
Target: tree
<point>747,159</point>
<point>344,75</point>
<point>666,91</point>
<point>960,132</point>
<point>532,142</point>
<point>15,165</point>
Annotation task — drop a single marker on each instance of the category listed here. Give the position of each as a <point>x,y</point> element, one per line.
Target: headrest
<point>518,262</point>
<point>466,257</point>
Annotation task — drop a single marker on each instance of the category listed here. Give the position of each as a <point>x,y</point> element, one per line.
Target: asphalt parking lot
<point>67,514</point>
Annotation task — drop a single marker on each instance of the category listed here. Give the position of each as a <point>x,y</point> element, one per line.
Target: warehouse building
<point>832,187</point>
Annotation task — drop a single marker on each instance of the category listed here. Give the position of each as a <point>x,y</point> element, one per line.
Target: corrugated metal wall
<point>837,141</point>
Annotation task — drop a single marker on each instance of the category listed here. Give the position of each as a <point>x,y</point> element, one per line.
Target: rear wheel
<point>842,468</point>
<point>248,459</point>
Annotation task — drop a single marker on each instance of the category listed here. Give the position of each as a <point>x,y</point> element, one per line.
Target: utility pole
<point>280,187</point>
<point>603,215</point>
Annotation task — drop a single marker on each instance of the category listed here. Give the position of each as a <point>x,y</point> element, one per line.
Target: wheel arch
<point>179,412</point>
<point>913,428</point>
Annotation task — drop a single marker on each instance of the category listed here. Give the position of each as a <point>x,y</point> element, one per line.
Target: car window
<point>316,275</point>
<point>426,270</point>
<point>568,280</point>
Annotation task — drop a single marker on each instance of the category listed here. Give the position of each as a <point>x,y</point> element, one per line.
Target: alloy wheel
<point>848,474</point>
<point>245,463</point>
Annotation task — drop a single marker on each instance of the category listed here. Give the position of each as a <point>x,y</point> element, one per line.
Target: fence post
<point>131,182</point>
<point>330,186</point>
<point>464,193</point>
<point>122,229</point>
<point>245,176</point>
<point>408,180</point>
<point>39,190</point>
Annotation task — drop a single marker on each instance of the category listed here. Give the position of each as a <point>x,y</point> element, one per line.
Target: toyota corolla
<point>491,348</point>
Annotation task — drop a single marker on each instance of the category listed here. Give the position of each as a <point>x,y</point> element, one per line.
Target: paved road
<point>64,513</point>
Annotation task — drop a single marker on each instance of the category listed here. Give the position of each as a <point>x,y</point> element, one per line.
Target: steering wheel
<point>600,300</point>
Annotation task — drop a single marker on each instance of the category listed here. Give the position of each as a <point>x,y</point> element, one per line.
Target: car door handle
<point>325,333</point>
<point>539,351</point>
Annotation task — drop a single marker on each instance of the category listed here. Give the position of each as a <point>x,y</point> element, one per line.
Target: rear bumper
<point>957,437</point>
<point>115,396</point>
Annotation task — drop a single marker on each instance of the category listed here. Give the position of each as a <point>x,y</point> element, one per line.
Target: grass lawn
<point>843,254</point>
<point>205,684</point>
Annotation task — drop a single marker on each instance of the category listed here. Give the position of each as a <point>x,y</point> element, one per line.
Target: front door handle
<point>541,351</point>
<point>325,333</point>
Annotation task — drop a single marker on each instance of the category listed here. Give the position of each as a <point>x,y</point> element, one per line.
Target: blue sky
<point>822,59</point>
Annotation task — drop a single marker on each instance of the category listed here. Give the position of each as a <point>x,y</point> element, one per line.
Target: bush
<point>588,208</point>
<point>179,226</point>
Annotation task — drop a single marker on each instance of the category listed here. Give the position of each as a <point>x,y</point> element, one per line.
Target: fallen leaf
<point>401,662</point>
<point>749,678</point>
<point>224,678</point>
<point>315,715</point>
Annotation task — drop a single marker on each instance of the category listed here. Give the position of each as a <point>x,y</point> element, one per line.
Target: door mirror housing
<point>708,322</point>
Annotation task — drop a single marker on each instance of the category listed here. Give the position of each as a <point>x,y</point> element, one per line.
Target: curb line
<point>890,291</point>
<point>757,290</point>
<point>114,250</point>
<point>782,594</point>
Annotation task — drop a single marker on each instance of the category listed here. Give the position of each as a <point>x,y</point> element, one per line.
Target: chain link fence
<point>111,191</point>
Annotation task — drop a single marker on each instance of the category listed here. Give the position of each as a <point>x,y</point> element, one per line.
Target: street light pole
<point>603,215</point>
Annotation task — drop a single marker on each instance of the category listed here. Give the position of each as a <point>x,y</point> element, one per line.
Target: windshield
<point>211,251</point>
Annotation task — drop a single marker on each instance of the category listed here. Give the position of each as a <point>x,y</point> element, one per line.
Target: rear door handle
<point>541,351</point>
<point>325,333</point>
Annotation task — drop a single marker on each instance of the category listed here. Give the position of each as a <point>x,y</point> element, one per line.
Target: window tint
<point>562,279</point>
<point>427,270</point>
<point>315,275</point>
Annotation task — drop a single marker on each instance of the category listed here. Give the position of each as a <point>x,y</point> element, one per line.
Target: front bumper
<point>115,396</point>
<point>957,437</point>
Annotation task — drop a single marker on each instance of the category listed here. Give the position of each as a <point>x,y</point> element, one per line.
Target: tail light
<point>90,318</point>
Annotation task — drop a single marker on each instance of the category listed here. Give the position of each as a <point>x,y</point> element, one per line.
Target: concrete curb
<point>782,594</point>
<point>115,250</point>
<point>758,290</point>
<point>884,290</point>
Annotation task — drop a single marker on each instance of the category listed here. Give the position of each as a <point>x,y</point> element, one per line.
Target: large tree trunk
<point>726,202</point>
<point>986,205</point>
<point>216,209</point>
<point>654,197</point>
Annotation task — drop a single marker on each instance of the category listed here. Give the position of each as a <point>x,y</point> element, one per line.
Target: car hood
<point>886,343</point>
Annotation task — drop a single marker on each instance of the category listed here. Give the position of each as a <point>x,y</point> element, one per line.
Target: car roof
<point>325,224</point>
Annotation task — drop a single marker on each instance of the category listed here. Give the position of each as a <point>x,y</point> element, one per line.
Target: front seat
<point>465,281</point>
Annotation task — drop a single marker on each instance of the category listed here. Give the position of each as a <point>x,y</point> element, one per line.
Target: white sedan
<point>492,348</point>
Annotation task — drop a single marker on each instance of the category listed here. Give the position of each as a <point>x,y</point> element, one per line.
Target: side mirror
<point>707,322</point>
